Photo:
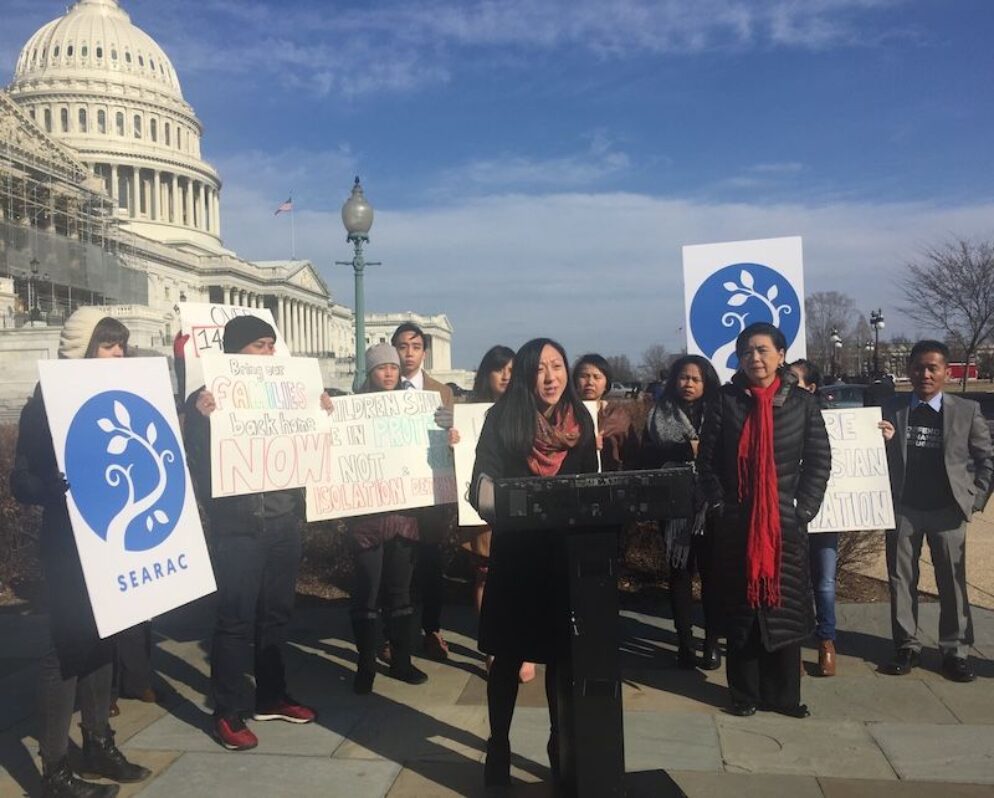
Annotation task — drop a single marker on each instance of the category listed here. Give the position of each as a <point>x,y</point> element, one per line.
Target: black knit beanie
<point>243,330</point>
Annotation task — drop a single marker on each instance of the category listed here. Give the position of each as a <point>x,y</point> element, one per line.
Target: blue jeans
<point>823,550</point>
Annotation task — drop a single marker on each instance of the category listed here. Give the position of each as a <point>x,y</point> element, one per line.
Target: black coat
<point>803,463</point>
<point>525,605</point>
<point>36,480</point>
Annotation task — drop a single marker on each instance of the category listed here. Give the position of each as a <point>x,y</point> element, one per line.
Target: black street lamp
<point>877,323</point>
<point>836,341</point>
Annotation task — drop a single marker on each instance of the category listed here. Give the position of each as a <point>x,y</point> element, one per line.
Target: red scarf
<point>758,485</point>
<point>552,441</point>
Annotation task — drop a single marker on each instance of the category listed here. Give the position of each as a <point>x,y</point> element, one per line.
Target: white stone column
<point>298,326</point>
<point>188,202</point>
<point>174,199</point>
<point>232,296</point>
<point>156,196</point>
<point>134,199</point>
<point>281,320</point>
<point>113,184</point>
<point>260,301</point>
<point>205,223</point>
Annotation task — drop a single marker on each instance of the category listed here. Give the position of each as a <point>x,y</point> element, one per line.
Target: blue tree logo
<point>125,470</point>
<point>733,298</point>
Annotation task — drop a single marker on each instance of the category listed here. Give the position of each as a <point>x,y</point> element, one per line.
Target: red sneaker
<point>286,709</point>
<point>233,734</point>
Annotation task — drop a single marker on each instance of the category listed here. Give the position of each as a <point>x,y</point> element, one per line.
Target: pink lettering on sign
<point>362,497</point>
<point>256,464</point>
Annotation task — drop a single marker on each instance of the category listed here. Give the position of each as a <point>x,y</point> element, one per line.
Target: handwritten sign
<point>204,324</point>
<point>130,500</point>
<point>387,453</point>
<point>858,495</point>
<point>468,419</point>
<point>268,431</point>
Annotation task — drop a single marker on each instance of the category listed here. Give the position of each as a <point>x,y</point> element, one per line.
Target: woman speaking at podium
<point>539,427</point>
<point>765,464</point>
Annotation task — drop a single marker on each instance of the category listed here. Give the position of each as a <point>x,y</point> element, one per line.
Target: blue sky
<point>536,165</point>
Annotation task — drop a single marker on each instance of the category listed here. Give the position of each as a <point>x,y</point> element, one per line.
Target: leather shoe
<point>906,660</point>
<point>742,709</point>
<point>826,657</point>
<point>800,711</point>
<point>957,669</point>
<point>711,657</point>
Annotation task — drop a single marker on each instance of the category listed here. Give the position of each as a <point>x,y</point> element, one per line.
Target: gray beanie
<point>379,354</point>
<point>77,332</point>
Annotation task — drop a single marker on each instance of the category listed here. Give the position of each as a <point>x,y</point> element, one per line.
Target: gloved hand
<point>56,488</point>
<point>443,417</point>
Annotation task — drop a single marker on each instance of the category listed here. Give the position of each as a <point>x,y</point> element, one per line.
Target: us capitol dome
<point>96,82</point>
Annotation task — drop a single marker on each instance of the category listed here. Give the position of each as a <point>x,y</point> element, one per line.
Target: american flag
<point>285,207</point>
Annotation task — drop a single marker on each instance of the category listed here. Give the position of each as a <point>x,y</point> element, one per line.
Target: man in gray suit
<point>939,454</point>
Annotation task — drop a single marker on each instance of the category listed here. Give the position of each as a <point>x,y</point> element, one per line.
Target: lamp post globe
<point>357,216</point>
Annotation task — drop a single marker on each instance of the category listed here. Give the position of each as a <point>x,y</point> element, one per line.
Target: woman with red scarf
<point>765,463</point>
<point>539,427</point>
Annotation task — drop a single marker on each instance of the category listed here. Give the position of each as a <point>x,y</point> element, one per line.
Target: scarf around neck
<point>758,486</point>
<point>553,439</point>
<point>669,423</point>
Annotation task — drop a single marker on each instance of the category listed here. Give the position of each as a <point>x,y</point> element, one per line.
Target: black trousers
<point>133,663</point>
<point>430,581</point>
<point>700,559</point>
<point>256,583</point>
<point>767,678</point>
<point>502,695</point>
<point>383,573</point>
<point>57,695</point>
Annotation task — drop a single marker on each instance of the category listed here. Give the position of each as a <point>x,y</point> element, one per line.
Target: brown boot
<point>826,658</point>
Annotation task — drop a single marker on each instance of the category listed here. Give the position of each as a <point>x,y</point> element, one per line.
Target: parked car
<point>618,390</point>
<point>842,395</point>
<point>458,392</point>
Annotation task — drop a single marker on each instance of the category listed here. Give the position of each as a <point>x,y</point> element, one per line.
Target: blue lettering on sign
<point>153,572</point>
<point>125,469</point>
<point>733,298</point>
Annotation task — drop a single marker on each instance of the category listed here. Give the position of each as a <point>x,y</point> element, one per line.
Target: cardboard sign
<point>858,495</point>
<point>131,503</point>
<point>468,419</point>
<point>387,453</point>
<point>268,431</point>
<point>204,324</point>
<point>729,286</point>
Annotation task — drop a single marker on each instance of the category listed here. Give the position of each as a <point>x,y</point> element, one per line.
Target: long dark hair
<point>711,382</point>
<point>495,359</point>
<point>514,413</point>
<point>108,331</point>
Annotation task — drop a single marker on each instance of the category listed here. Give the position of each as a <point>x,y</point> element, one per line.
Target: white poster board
<point>131,503</point>
<point>204,324</point>
<point>268,431</point>
<point>858,495</point>
<point>468,420</point>
<point>387,454</point>
<point>729,286</point>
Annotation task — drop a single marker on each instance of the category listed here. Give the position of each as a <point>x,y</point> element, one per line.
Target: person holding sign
<point>672,435</point>
<point>619,440</point>
<point>765,464</point>
<point>78,665</point>
<point>383,549</point>
<point>538,428</point>
<point>939,455</point>
<point>256,558</point>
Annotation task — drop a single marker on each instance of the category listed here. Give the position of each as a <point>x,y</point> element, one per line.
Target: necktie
<point>408,385</point>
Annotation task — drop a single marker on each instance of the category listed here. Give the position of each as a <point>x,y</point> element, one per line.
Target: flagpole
<point>293,237</point>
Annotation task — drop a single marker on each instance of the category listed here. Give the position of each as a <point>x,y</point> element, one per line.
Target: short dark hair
<point>926,346</point>
<point>760,328</point>
<point>598,362</point>
<point>411,327</point>
<point>809,370</point>
<point>108,331</point>
<point>495,359</point>
<point>712,384</point>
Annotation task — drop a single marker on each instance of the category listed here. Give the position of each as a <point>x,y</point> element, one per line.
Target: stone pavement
<point>869,734</point>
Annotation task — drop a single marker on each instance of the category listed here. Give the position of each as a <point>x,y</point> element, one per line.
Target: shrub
<point>19,524</point>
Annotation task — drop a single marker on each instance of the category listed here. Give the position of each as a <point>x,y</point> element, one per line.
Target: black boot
<point>58,781</point>
<point>103,759</point>
<point>400,632</point>
<point>711,658</point>
<point>497,767</point>
<point>364,630</point>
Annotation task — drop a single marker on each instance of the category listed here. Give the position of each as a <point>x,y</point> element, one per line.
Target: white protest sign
<point>268,431</point>
<point>387,454</point>
<point>131,503</point>
<point>858,495</point>
<point>204,324</point>
<point>468,420</point>
<point>729,286</point>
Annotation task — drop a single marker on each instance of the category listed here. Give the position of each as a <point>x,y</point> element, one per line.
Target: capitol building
<point>105,199</point>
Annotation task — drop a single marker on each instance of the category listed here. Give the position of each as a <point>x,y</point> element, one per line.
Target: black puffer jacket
<point>803,462</point>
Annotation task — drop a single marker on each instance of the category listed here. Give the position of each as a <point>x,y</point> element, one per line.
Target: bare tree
<point>952,289</point>
<point>655,360</point>
<point>825,312</point>
<point>621,368</point>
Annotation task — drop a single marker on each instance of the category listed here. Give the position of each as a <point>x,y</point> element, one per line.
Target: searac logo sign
<point>126,471</point>
<point>736,296</point>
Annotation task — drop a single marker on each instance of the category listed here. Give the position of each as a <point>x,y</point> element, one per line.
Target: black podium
<point>588,510</point>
